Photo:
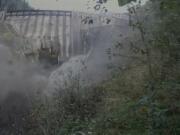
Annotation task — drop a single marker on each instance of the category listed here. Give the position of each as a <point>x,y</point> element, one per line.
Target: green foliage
<point>164,68</point>
<point>68,112</point>
<point>159,104</point>
<point>124,105</point>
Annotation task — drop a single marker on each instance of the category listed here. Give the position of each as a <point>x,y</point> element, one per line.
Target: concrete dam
<point>66,33</point>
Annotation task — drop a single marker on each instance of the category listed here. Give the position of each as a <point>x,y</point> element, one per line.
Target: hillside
<point>140,95</point>
<point>140,99</point>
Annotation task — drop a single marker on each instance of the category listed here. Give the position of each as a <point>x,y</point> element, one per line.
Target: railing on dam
<point>38,12</point>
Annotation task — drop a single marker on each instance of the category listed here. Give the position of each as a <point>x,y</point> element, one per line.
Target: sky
<point>74,5</point>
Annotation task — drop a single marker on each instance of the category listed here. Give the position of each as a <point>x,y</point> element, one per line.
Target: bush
<point>65,113</point>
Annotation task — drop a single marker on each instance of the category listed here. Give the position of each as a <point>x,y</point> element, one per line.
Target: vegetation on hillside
<point>142,99</point>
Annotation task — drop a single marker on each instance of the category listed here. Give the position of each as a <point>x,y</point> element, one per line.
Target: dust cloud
<point>98,64</point>
<point>19,81</point>
<point>16,74</point>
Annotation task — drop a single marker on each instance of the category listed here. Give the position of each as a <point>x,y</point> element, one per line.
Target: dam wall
<point>66,32</point>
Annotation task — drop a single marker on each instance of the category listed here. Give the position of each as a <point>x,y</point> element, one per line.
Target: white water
<point>93,67</point>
